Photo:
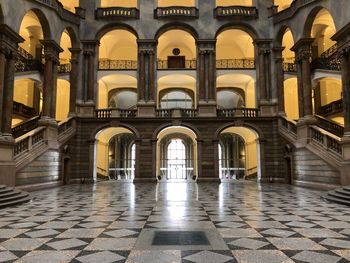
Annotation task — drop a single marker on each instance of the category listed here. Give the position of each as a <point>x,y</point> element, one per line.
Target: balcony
<point>26,62</point>
<point>64,68</point>
<point>115,113</point>
<point>235,64</point>
<point>227,12</point>
<point>289,67</point>
<point>176,113</point>
<point>164,65</point>
<point>238,112</point>
<point>176,12</point>
<point>328,60</point>
<point>117,12</point>
<point>23,110</point>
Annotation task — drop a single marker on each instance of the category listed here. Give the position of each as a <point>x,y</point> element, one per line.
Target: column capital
<point>263,42</point>
<point>206,45</point>
<point>147,45</point>
<point>51,50</point>
<point>89,46</point>
<point>9,37</point>
<point>302,44</point>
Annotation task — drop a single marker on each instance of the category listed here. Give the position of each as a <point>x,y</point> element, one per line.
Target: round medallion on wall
<point>176,51</point>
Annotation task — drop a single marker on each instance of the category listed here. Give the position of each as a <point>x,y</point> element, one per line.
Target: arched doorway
<point>238,154</point>
<point>115,154</point>
<point>176,154</point>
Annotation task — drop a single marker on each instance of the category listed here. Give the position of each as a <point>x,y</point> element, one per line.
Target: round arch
<point>180,124</point>
<point>73,36</point>
<point>115,26</point>
<point>44,22</point>
<point>280,34</point>
<point>311,19</point>
<point>177,26</point>
<point>240,26</point>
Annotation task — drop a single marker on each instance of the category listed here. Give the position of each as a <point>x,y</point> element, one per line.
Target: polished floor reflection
<point>114,222</point>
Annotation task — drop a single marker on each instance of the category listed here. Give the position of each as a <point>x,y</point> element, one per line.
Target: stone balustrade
<point>117,12</point>
<point>176,11</point>
<point>222,12</point>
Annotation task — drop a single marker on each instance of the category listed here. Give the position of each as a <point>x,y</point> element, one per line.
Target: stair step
<point>8,194</point>
<point>6,190</point>
<point>336,194</point>
<point>336,200</point>
<point>346,188</point>
<point>342,191</point>
<point>2,186</point>
<point>14,198</point>
<point>15,202</point>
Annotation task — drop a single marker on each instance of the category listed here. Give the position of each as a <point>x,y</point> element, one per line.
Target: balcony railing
<point>235,64</point>
<point>115,113</point>
<point>290,125</point>
<point>328,60</point>
<point>290,11</point>
<point>330,126</point>
<point>23,110</point>
<point>164,113</point>
<point>238,112</point>
<point>117,12</point>
<point>235,11</point>
<point>59,9</point>
<point>66,125</point>
<point>64,68</point>
<point>189,64</point>
<point>331,52</point>
<point>117,65</point>
<point>176,12</point>
<point>331,108</point>
<point>26,62</point>
<point>176,113</point>
<point>27,143</point>
<point>289,67</point>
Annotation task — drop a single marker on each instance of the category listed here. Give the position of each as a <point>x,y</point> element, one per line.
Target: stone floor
<point>111,222</point>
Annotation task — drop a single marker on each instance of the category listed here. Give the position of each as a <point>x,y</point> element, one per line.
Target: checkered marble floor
<point>102,223</point>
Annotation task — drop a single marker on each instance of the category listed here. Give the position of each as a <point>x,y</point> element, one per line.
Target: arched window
<point>176,99</point>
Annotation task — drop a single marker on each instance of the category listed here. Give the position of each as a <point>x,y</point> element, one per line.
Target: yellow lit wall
<point>24,91</point>
<point>291,98</point>
<point>16,121</point>
<point>118,3</point>
<point>234,2</point>
<point>31,31</point>
<point>164,3</point>
<point>330,90</point>
<point>339,120</point>
<point>176,39</point>
<point>70,4</point>
<point>283,4</point>
<point>65,44</point>
<point>101,148</point>
<point>323,29</point>
<point>238,47</point>
<point>62,100</point>
<point>118,45</point>
<point>288,43</point>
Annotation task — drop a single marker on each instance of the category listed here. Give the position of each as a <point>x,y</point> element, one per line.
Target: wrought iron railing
<point>176,11</point>
<point>117,12</point>
<point>117,65</point>
<point>328,60</point>
<point>24,54</point>
<point>331,52</point>
<point>331,108</point>
<point>330,126</point>
<point>23,110</point>
<point>236,11</point>
<point>64,68</point>
<point>235,64</point>
<point>25,127</point>
<point>289,67</point>
<point>189,64</point>
<point>238,112</point>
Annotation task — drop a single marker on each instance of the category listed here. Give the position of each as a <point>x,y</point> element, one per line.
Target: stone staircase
<point>340,196</point>
<point>11,197</point>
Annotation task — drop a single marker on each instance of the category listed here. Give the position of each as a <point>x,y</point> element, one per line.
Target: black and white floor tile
<point>103,223</point>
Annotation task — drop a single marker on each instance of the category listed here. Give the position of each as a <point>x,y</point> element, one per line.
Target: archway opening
<point>176,50</point>
<point>27,100</point>
<point>234,53</point>
<point>234,3</point>
<point>176,154</point>
<point>167,3</point>
<point>115,154</point>
<point>118,3</point>
<point>282,4</point>
<point>117,91</point>
<point>235,90</point>
<point>70,5</point>
<point>291,100</point>
<point>238,151</point>
<point>62,101</point>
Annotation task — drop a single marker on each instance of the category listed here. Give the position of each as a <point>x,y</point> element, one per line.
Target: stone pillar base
<point>268,109</point>
<point>86,109</point>
<point>207,109</point>
<point>7,163</point>
<point>145,180</point>
<point>146,109</point>
<point>51,133</point>
<point>208,180</point>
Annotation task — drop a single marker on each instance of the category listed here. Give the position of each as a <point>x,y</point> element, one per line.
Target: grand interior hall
<point>165,131</point>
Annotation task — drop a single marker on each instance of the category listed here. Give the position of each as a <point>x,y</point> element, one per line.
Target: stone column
<point>51,54</point>
<point>267,107</point>
<point>279,73</point>
<point>73,77</point>
<point>206,72</point>
<point>9,40</point>
<point>302,50</point>
<point>147,77</point>
<point>86,108</point>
